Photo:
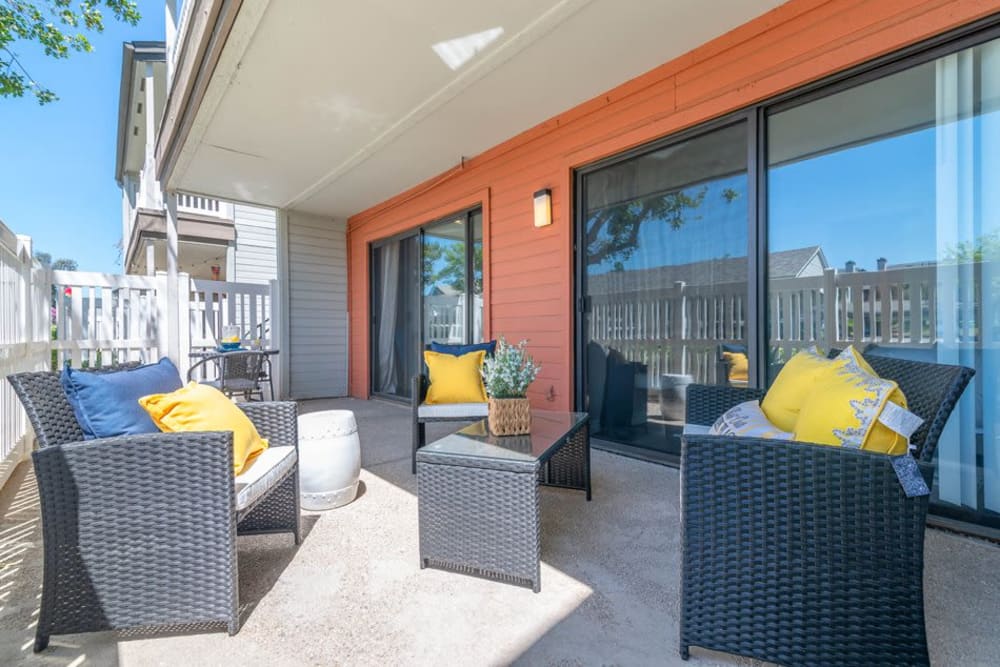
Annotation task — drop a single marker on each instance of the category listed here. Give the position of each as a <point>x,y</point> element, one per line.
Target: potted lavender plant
<point>506,376</point>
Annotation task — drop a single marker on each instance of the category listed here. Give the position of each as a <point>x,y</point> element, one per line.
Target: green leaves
<point>509,371</point>
<point>52,25</point>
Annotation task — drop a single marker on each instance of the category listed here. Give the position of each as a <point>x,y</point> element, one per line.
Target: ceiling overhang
<point>331,108</point>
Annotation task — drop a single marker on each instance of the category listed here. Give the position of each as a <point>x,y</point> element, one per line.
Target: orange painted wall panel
<point>528,271</point>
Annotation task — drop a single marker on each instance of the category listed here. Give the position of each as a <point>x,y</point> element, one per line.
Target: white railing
<point>49,318</point>
<point>101,319</point>
<point>24,334</point>
<point>444,317</point>
<point>204,205</point>
<point>672,330</point>
<point>678,329</point>
<point>213,304</point>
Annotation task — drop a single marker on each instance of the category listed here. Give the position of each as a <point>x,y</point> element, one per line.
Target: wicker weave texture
<point>169,559</point>
<point>806,554</point>
<point>509,416</point>
<point>140,531</point>
<point>480,519</point>
<point>800,554</point>
<point>49,412</point>
<point>569,467</point>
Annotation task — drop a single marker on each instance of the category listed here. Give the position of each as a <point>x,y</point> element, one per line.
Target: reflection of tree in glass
<point>985,248</point>
<point>444,264</point>
<point>613,232</point>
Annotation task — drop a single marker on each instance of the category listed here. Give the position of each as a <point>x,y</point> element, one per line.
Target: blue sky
<point>57,161</point>
<point>865,202</point>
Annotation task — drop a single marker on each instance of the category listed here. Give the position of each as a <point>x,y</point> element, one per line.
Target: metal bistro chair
<point>805,554</point>
<point>238,373</point>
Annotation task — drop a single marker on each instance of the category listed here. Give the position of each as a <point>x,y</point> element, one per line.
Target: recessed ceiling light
<point>456,52</point>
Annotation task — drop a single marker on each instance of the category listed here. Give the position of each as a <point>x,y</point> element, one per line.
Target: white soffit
<point>334,106</point>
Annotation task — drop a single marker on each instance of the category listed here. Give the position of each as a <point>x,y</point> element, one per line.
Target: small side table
<point>329,459</point>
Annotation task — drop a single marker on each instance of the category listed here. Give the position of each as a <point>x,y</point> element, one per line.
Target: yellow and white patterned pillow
<point>844,406</point>
<point>747,420</point>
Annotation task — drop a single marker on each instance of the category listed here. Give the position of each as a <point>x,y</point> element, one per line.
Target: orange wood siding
<point>529,271</point>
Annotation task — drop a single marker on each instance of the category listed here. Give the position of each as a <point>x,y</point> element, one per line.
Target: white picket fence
<point>48,318</point>
<point>24,336</point>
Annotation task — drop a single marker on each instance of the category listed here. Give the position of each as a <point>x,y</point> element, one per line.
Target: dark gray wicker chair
<point>140,531</point>
<point>425,414</point>
<point>805,554</point>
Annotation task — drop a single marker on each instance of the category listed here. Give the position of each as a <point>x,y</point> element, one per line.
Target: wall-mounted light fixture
<point>543,208</point>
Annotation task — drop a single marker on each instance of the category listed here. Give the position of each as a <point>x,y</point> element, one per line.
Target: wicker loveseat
<point>140,531</point>
<point>807,554</point>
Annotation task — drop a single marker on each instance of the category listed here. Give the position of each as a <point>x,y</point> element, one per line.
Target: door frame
<point>418,232</point>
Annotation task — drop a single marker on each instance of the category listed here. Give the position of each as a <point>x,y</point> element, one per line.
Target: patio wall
<point>529,281</point>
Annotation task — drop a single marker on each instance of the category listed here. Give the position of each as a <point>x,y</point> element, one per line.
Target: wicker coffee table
<point>478,494</point>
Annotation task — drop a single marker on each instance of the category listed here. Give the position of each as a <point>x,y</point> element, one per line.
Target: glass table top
<point>548,429</point>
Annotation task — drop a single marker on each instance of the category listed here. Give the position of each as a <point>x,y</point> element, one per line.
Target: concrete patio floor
<point>353,593</point>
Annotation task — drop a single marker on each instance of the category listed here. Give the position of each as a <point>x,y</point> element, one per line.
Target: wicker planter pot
<point>509,416</point>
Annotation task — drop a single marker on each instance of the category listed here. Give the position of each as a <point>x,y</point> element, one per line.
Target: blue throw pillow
<point>107,404</point>
<point>459,350</point>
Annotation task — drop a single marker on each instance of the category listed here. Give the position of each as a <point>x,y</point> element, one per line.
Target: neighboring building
<point>853,129</point>
<point>216,240</point>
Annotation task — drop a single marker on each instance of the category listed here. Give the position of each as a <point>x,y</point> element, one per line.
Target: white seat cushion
<point>470,410</point>
<point>263,474</point>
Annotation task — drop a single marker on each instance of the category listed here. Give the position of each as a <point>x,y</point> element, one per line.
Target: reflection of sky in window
<point>715,229</point>
<point>869,201</point>
<point>860,203</point>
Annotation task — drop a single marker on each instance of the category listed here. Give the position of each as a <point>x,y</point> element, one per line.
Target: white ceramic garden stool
<point>329,459</point>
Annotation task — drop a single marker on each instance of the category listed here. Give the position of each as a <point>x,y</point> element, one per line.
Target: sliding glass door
<point>664,272</point>
<point>427,286</point>
<point>892,190</point>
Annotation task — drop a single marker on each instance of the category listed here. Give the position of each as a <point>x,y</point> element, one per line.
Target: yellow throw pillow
<point>843,408</point>
<point>199,407</point>
<point>455,379</point>
<point>784,399</point>
<point>739,366</point>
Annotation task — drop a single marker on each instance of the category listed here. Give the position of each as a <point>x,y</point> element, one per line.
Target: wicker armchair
<point>807,554</point>
<point>140,531</point>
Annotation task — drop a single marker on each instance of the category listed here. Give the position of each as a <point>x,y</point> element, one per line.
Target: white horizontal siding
<point>317,309</point>
<point>255,258</point>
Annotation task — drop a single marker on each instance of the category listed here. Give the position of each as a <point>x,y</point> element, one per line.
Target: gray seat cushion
<point>452,410</point>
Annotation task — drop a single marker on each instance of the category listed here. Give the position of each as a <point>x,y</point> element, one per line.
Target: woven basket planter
<point>509,416</point>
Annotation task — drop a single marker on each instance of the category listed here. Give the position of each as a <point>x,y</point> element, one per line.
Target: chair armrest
<point>707,402</point>
<point>277,421</point>
<point>141,490</point>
